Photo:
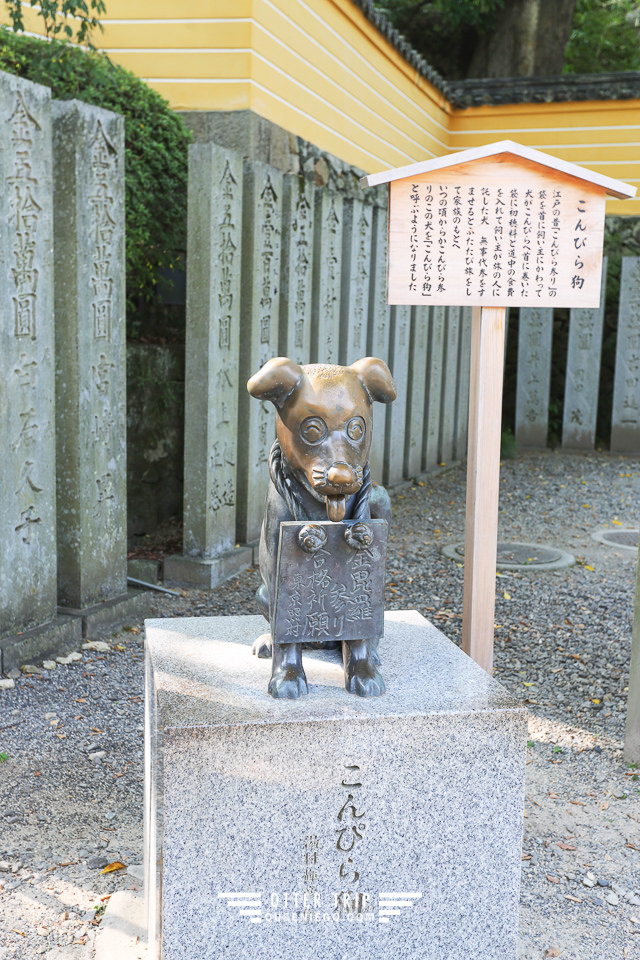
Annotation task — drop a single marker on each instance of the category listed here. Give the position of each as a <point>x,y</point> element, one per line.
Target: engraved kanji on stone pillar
<point>378,331</point>
<point>535,332</point>
<point>583,373</point>
<point>418,347</point>
<point>262,227</point>
<point>449,384</point>
<point>625,417</point>
<point>434,388</point>
<point>212,343</point>
<point>462,404</point>
<point>27,431</point>
<point>89,246</point>
<point>296,269</point>
<point>397,417</point>
<point>356,270</point>
<point>327,274</point>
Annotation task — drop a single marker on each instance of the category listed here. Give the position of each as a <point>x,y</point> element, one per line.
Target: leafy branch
<point>58,17</point>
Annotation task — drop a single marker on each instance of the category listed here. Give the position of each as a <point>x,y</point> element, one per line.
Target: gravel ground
<point>71,738</point>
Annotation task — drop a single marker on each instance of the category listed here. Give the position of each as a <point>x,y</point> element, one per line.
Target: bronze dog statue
<point>319,471</point>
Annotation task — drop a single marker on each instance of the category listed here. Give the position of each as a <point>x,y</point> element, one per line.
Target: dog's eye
<point>313,429</point>
<point>356,428</point>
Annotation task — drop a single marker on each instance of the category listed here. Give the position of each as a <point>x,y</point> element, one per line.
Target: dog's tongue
<point>336,508</point>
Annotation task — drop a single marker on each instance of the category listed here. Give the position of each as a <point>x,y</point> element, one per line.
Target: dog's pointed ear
<point>276,380</point>
<point>376,379</point>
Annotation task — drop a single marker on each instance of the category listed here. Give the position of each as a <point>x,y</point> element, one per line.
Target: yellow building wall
<point>321,70</point>
<point>318,68</point>
<point>602,135</point>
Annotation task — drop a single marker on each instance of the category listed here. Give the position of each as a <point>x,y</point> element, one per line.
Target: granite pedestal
<point>330,827</point>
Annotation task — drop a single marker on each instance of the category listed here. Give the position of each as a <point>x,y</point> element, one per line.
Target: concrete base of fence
<point>197,572</point>
<point>104,618</point>
<point>52,639</point>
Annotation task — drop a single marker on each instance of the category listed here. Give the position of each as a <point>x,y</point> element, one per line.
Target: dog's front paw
<point>363,679</point>
<point>262,646</point>
<point>288,683</point>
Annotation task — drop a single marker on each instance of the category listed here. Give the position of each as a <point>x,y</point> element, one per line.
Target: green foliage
<point>156,143</point>
<point>56,15</point>
<point>605,37</point>
<point>449,14</point>
<point>443,31</point>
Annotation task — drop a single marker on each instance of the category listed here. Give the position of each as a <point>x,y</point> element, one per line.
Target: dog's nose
<point>340,475</point>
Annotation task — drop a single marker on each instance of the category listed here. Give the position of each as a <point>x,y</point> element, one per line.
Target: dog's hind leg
<point>262,646</point>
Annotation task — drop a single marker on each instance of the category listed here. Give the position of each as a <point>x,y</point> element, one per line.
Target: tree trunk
<point>529,41</point>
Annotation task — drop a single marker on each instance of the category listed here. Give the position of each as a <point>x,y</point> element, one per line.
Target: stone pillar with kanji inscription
<point>378,331</point>
<point>462,404</point>
<point>399,339</point>
<point>449,385</point>
<point>356,270</point>
<point>625,417</point>
<point>27,374</point>
<point>89,257</point>
<point>583,374</point>
<point>434,387</point>
<point>327,277</point>
<point>262,220</point>
<point>418,348</point>
<point>214,242</point>
<point>535,333</point>
<point>296,270</point>
<point>28,489</point>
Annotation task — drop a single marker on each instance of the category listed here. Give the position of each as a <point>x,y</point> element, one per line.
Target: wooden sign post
<point>497,226</point>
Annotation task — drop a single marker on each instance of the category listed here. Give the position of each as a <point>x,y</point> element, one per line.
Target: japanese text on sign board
<point>492,245</point>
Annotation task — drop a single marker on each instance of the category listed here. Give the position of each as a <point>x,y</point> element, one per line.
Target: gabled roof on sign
<point>615,188</point>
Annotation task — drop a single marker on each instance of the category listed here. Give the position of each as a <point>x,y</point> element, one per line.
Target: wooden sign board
<point>496,226</point>
<point>498,231</point>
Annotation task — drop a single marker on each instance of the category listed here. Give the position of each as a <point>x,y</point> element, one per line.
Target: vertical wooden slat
<point>483,483</point>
